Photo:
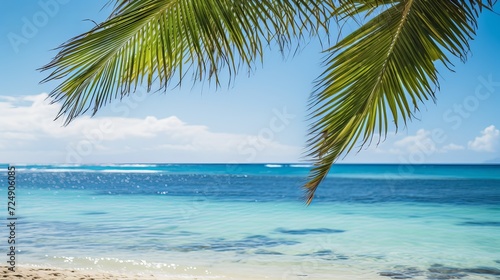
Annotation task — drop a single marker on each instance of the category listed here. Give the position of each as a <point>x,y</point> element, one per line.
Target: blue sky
<point>261,117</point>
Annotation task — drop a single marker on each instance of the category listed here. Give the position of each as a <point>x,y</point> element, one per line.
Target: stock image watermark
<point>323,251</point>
<point>471,102</point>
<point>77,151</point>
<point>453,116</point>
<point>31,25</point>
<point>11,218</point>
<point>250,147</point>
<point>253,145</point>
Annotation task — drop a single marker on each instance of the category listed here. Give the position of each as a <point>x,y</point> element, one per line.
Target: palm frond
<point>144,41</point>
<point>381,72</point>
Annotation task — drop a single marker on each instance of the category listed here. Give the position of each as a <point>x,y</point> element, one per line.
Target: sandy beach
<point>51,273</point>
<point>38,273</point>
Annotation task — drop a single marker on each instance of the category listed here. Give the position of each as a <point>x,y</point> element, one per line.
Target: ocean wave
<point>47,164</point>
<point>301,165</point>
<point>274,165</point>
<point>128,165</point>
<point>55,170</point>
<point>81,170</point>
<point>128,171</point>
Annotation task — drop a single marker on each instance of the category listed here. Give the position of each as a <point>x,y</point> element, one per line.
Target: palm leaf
<point>382,71</point>
<point>144,41</point>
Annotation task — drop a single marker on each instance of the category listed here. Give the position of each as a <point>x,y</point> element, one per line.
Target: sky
<point>260,117</point>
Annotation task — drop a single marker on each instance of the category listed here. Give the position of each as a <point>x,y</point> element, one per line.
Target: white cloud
<point>488,140</point>
<point>430,146</point>
<point>28,133</point>
<point>420,142</point>
<point>423,143</point>
<point>452,147</point>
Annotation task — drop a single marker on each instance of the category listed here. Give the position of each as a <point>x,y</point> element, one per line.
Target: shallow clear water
<point>368,221</point>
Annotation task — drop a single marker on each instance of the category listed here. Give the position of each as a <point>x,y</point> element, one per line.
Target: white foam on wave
<point>138,165</point>
<point>65,170</point>
<point>56,170</point>
<point>301,165</point>
<point>128,171</point>
<point>132,268</point>
<point>128,165</point>
<point>274,165</point>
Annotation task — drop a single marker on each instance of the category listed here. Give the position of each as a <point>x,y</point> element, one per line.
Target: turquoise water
<point>249,221</point>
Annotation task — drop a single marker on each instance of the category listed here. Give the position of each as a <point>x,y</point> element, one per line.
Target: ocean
<point>249,221</point>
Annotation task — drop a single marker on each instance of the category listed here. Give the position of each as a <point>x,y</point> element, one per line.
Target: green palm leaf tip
<point>382,71</point>
<point>144,41</point>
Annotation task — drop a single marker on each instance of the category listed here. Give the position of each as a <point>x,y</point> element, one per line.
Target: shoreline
<point>55,273</point>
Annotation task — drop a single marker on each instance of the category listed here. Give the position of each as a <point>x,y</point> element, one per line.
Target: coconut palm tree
<point>377,75</point>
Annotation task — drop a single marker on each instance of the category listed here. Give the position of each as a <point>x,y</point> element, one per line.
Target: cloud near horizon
<point>487,142</point>
<point>432,146</point>
<point>424,141</point>
<point>420,142</point>
<point>29,134</point>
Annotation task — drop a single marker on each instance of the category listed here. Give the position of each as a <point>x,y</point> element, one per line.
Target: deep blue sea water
<point>249,221</point>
